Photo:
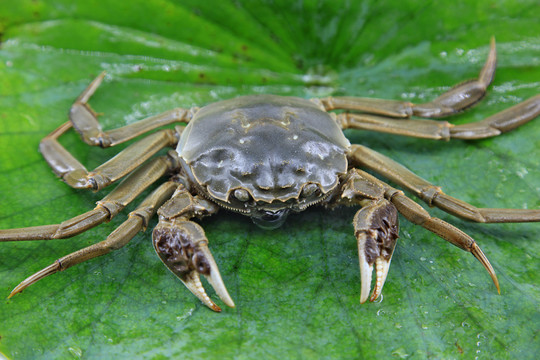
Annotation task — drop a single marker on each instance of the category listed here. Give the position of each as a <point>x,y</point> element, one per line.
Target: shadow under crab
<point>267,156</point>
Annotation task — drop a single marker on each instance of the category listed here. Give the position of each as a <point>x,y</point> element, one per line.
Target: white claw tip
<point>366,272</point>
<point>382,266</point>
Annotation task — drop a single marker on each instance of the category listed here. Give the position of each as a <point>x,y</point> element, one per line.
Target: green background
<point>296,288</point>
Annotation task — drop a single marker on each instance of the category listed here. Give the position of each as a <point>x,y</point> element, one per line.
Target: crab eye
<point>241,195</point>
<point>309,190</point>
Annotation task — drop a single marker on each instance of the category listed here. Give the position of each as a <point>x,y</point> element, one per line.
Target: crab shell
<point>271,146</point>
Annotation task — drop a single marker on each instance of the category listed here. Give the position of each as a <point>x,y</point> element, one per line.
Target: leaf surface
<point>297,287</point>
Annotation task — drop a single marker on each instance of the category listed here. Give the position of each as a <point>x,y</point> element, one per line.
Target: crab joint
<point>183,248</point>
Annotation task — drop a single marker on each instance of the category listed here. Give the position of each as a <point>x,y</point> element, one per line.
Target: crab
<point>265,157</point>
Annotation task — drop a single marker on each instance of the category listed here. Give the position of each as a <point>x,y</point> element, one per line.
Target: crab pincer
<point>376,229</point>
<point>183,248</point>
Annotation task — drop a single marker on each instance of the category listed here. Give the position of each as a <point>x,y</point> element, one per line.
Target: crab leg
<point>183,247</point>
<point>75,174</point>
<point>137,221</point>
<point>376,228</point>
<point>85,121</point>
<point>417,215</point>
<point>433,195</point>
<point>106,209</point>
<point>458,98</point>
<point>494,125</point>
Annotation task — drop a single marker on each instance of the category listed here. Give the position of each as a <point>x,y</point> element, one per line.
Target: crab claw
<point>183,248</point>
<point>376,229</point>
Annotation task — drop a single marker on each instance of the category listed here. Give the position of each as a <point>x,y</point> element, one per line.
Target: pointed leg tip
<point>99,78</point>
<point>19,288</point>
<point>480,256</point>
<point>496,281</point>
<point>31,280</point>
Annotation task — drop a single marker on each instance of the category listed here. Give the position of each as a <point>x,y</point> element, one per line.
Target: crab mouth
<point>269,219</point>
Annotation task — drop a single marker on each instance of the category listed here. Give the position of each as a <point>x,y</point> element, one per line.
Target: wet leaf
<point>296,288</point>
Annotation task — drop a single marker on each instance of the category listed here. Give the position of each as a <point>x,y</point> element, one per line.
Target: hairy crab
<point>266,156</point>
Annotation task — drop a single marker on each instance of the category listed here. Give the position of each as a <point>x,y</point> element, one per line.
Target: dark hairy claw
<point>377,230</point>
<point>183,248</point>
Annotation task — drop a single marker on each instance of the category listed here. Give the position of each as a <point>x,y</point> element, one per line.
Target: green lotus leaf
<point>296,288</point>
